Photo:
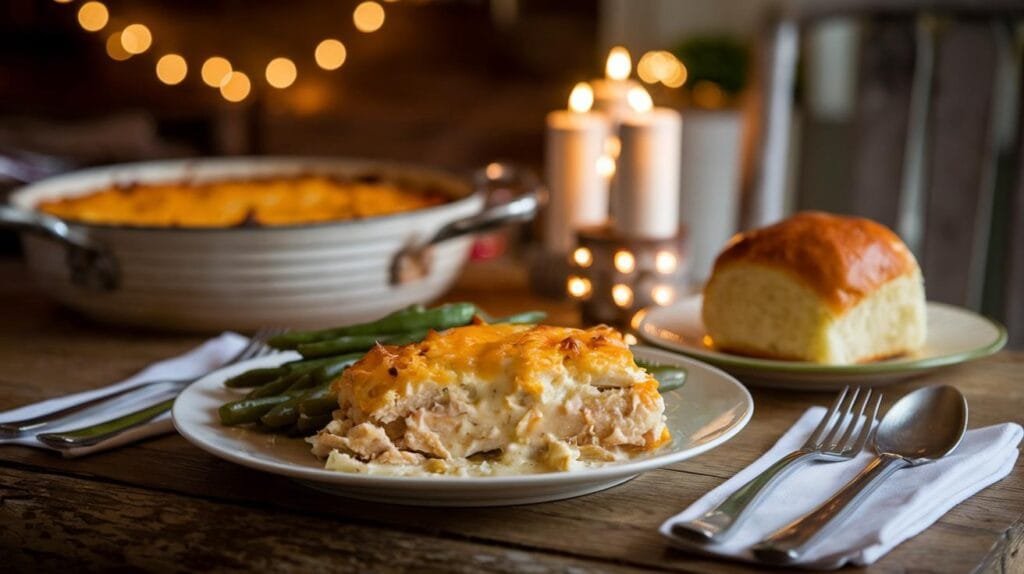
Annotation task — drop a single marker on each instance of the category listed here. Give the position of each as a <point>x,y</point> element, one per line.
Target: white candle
<point>577,190</point>
<point>646,199</point>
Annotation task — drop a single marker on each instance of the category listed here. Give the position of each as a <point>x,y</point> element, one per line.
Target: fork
<point>833,440</point>
<point>13,429</point>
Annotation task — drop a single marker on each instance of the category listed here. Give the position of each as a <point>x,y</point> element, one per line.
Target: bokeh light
<point>281,73</point>
<point>171,69</point>
<point>114,48</point>
<point>330,54</point>
<point>235,87</point>
<point>214,71</point>
<point>136,38</point>
<point>368,16</point>
<point>93,16</point>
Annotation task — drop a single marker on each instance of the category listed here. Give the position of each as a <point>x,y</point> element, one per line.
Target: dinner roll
<point>816,287</point>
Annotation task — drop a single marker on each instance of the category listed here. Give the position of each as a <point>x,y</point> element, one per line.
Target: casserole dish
<point>307,275</point>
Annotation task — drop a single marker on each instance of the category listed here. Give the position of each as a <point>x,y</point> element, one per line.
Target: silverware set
<point>108,429</point>
<point>923,426</point>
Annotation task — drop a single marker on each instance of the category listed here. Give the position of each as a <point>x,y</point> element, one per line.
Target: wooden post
<point>886,78</point>
<point>957,217</point>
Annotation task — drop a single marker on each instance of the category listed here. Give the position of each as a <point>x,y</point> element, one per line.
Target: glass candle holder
<point>614,276</point>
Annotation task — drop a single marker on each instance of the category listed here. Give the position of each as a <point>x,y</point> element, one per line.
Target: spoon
<point>921,427</point>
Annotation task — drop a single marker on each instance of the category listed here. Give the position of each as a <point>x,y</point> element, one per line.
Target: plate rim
<point>357,480</point>
<point>775,366</point>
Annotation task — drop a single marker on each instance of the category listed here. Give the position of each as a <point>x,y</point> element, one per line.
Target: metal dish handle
<point>413,262</point>
<point>92,266</point>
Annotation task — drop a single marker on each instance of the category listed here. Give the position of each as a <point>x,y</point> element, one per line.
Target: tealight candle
<point>646,199</point>
<point>577,182</point>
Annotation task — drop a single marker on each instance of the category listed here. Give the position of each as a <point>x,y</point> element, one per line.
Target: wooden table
<point>166,505</point>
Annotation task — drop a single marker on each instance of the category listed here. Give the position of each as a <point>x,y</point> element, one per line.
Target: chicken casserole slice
<point>493,399</point>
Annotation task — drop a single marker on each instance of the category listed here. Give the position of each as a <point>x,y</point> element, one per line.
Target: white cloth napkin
<point>904,505</point>
<point>199,361</point>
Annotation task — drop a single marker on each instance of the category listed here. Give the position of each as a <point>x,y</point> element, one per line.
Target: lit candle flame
<point>582,98</point>
<point>639,100</point>
<point>618,65</point>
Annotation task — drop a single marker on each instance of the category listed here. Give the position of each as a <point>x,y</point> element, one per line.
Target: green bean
<point>318,406</point>
<point>669,378</point>
<point>525,318</point>
<point>361,343</point>
<point>303,382</point>
<point>248,410</point>
<point>275,387</point>
<point>308,425</point>
<point>255,377</point>
<point>403,321</point>
<point>327,373</point>
<point>310,365</point>
<point>264,376</point>
<point>285,414</point>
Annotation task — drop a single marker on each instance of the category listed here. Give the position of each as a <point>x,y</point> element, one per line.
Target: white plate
<point>955,335</point>
<point>709,410</point>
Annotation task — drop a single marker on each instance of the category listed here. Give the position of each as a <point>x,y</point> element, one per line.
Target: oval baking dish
<point>242,278</point>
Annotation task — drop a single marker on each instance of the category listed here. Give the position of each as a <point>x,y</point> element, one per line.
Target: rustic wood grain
<point>46,524</point>
<point>45,351</point>
<point>959,142</point>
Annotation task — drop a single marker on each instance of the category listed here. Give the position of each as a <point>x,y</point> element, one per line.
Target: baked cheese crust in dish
<point>233,203</point>
<point>493,400</point>
<point>817,287</point>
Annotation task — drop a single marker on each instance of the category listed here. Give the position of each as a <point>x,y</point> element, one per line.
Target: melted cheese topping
<point>494,399</point>
<point>285,201</point>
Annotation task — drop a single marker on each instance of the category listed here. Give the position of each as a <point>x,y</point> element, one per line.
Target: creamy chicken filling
<point>457,431</point>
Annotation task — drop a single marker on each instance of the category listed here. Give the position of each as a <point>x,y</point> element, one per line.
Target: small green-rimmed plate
<point>955,335</point>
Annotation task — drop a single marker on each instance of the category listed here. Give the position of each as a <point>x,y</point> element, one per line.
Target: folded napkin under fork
<point>904,505</point>
<point>203,359</point>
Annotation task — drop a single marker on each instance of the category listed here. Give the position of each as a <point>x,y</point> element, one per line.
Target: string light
<point>235,87</point>
<point>330,54</point>
<point>281,73</point>
<point>215,70</point>
<point>368,16</point>
<point>171,69</point>
<point>136,38</point>
<point>114,48</point>
<point>93,16</point>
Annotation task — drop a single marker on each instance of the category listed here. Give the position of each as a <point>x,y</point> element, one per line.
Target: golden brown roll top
<point>843,259</point>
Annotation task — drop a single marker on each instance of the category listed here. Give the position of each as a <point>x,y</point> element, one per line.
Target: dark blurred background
<point>906,112</point>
